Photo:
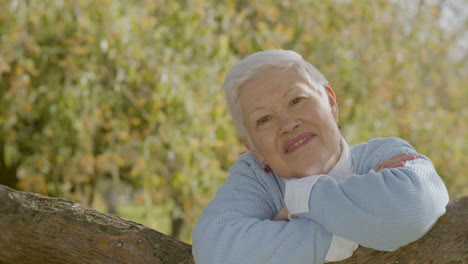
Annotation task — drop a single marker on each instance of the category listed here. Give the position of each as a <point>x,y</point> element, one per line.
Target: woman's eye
<point>296,100</point>
<point>263,119</point>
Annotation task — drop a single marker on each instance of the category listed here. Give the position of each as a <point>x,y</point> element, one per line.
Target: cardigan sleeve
<point>236,227</point>
<point>382,210</point>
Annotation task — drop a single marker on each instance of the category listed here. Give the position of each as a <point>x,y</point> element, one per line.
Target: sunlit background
<point>117,104</point>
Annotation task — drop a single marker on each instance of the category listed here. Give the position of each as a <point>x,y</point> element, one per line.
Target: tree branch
<point>36,229</point>
<point>446,243</point>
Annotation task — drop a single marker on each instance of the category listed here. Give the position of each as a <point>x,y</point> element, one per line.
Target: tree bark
<point>445,243</point>
<point>36,229</point>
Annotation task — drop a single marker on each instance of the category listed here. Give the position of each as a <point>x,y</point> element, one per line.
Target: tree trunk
<point>7,171</point>
<point>39,229</point>
<point>36,229</point>
<point>446,243</point>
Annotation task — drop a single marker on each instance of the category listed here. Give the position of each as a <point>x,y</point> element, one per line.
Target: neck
<point>336,157</point>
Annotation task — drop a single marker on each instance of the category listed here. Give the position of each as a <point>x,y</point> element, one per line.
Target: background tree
<point>119,102</point>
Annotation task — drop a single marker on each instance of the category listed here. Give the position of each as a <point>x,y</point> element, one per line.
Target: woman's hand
<point>282,215</point>
<point>397,161</point>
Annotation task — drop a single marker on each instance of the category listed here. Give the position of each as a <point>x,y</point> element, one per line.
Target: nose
<point>289,123</point>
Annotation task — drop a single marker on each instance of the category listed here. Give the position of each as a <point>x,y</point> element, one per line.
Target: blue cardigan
<point>381,210</point>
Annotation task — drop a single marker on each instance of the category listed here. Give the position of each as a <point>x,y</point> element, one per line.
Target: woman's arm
<point>394,162</point>
<point>382,210</point>
<point>236,227</point>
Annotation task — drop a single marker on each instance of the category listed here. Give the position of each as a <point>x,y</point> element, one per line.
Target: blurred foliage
<point>99,94</point>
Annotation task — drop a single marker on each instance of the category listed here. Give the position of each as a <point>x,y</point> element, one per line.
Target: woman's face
<point>291,128</point>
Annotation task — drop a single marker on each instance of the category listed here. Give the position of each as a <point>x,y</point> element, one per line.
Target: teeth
<point>297,143</point>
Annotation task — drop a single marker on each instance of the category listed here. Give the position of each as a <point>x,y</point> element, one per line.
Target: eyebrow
<point>255,109</point>
<point>284,95</point>
<point>289,90</point>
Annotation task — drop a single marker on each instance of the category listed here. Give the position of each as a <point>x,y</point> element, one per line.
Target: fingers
<point>397,161</point>
<point>282,215</point>
<point>396,165</point>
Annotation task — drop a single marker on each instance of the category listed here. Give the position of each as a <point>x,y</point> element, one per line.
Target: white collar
<point>344,168</point>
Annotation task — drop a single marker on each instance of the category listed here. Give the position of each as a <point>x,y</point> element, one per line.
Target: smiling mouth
<point>298,142</point>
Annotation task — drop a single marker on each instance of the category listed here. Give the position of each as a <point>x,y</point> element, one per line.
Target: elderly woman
<point>302,194</point>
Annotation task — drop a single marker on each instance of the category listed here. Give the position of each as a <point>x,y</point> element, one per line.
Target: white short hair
<point>247,69</point>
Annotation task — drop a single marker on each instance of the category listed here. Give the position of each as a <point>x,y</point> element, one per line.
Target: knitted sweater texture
<point>381,210</point>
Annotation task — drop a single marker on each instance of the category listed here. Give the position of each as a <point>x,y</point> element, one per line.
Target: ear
<point>332,101</point>
<point>254,150</point>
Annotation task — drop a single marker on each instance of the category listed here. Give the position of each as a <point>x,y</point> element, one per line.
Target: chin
<point>311,172</point>
<point>305,174</point>
<point>299,171</point>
